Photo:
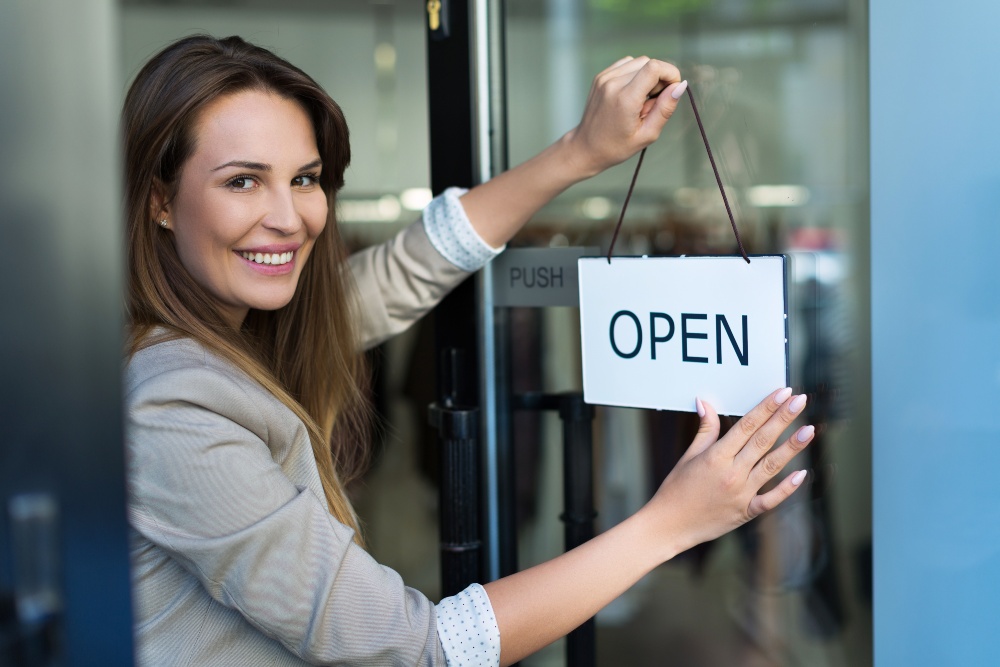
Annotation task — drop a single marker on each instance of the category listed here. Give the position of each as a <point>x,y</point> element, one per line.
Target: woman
<point>246,318</point>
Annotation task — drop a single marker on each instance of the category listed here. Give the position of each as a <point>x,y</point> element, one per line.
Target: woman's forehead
<point>254,126</point>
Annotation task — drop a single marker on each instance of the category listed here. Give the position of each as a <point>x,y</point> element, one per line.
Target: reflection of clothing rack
<point>672,233</point>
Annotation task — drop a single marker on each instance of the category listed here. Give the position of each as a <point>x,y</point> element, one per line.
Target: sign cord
<point>718,179</point>
<point>628,196</point>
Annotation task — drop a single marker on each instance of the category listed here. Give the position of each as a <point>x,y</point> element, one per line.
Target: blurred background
<point>858,138</point>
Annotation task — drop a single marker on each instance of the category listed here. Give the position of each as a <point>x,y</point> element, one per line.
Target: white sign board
<point>657,332</point>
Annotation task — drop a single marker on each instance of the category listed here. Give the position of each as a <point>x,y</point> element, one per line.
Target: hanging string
<point>718,179</point>
<point>625,205</point>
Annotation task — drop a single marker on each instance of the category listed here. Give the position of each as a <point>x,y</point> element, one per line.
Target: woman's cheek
<point>317,219</point>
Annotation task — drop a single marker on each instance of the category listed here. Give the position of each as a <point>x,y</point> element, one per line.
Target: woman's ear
<point>159,203</point>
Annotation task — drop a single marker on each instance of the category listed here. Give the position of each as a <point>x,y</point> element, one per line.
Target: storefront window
<point>781,87</point>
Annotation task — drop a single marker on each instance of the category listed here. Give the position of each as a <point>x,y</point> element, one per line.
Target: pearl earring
<point>163,223</point>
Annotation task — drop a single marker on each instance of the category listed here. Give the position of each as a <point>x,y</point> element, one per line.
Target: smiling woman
<point>218,114</point>
<point>245,227</point>
<point>244,384</point>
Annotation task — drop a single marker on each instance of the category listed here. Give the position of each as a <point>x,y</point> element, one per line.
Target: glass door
<point>782,90</point>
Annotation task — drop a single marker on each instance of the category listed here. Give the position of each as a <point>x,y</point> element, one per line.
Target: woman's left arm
<point>628,105</point>
<point>400,280</point>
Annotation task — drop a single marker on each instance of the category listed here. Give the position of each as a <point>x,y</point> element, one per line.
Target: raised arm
<point>628,106</point>
<point>712,489</point>
<point>399,281</point>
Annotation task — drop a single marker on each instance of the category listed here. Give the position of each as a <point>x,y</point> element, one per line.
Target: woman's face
<point>248,205</point>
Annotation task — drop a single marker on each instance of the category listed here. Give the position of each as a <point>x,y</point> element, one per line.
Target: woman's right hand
<point>715,486</point>
<point>711,490</point>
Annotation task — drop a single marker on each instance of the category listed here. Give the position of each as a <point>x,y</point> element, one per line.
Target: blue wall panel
<point>935,187</point>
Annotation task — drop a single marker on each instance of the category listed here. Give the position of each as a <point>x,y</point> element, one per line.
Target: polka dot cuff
<point>451,233</point>
<point>468,629</point>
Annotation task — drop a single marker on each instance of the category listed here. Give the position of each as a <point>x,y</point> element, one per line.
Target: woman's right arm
<point>712,489</point>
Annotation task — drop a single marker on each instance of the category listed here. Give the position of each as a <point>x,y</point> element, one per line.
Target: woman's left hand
<point>626,110</point>
<point>628,106</point>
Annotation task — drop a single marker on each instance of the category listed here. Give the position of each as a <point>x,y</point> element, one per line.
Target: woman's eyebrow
<point>260,166</point>
<point>256,166</point>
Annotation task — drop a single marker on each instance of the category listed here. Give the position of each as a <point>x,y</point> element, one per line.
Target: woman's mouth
<point>274,259</point>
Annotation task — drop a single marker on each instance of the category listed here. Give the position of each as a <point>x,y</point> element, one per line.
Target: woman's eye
<point>306,180</point>
<point>242,183</point>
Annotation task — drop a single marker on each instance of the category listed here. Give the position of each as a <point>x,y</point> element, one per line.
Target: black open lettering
<point>653,338</point>
<point>744,354</point>
<point>685,335</point>
<point>638,334</point>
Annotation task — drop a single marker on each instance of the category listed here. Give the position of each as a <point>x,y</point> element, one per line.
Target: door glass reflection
<point>781,88</point>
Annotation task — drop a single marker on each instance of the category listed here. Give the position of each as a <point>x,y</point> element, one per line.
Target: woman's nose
<point>282,215</point>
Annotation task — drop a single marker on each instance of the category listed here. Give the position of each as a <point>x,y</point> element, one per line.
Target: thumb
<point>708,429</point>
<point>663,108</point>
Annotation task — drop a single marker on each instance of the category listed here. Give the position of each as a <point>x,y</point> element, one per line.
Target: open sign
<point>657,332</point>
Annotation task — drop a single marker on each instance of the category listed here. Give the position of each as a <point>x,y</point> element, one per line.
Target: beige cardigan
<point>236,560</point>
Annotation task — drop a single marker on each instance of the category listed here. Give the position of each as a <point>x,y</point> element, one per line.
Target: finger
<point>661,110</point>
<point>761,442</point>
<point>660,87</point>
<point>623,74</point>
<point>647,106</point>
<point>611,80</point>
<point>614,65</point>
<point>752,421</point>
<point>616,80</point>
<point>653,74</point>
<point>776,460</point>
<point>765,502</point>
<point>708,430</point>
<point>675,92</point>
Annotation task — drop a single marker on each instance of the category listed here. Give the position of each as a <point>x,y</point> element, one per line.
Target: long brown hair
<point>306,353</point>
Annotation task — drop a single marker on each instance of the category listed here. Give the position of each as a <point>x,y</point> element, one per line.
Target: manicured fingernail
<point>798,477</point>
<point>805,433</point>
<point>700,407</point>
<point>782,395</point>
<point>797,403</point>
<point>679,90</point>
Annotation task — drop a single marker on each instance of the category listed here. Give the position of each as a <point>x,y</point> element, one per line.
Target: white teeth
<point>268,258</point>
